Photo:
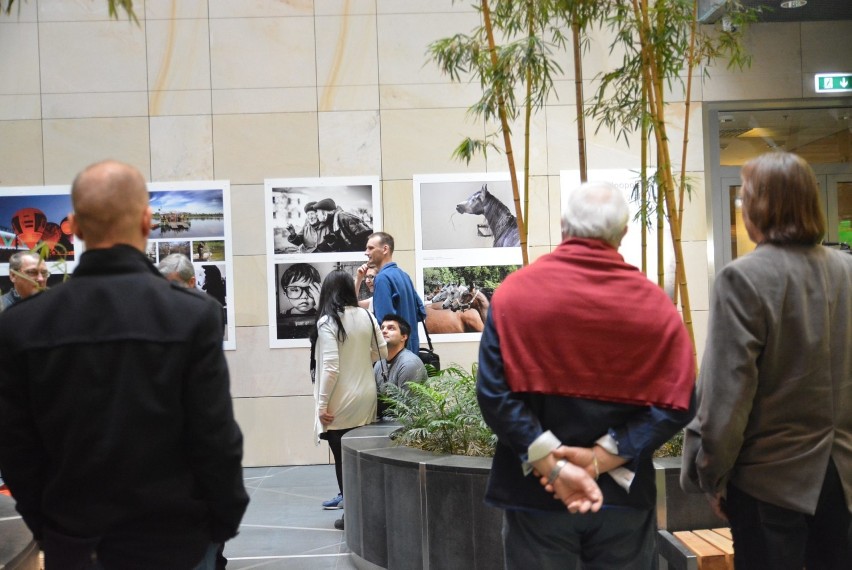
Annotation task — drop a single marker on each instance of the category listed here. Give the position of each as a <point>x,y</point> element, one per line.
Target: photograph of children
<point>208,250</point>
<point>165,248</point>
<point>187,213</point>
<point>466,213</point>
<point>297,297</point>
<point>30,219</point>
<point>321,218</point>
<point>457,298</point>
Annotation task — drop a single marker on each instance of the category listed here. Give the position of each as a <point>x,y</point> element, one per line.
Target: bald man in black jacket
<point>119,441</point>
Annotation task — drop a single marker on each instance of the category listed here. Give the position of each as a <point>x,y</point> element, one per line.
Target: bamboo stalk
<point>507,139</point>
<point>650,73</point>
<point>527,120</point>
<point>578,90</point>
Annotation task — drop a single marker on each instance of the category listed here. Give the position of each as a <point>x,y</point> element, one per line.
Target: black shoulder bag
<point>428,355</point>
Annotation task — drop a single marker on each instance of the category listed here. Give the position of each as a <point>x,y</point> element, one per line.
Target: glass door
<point>836,199</point>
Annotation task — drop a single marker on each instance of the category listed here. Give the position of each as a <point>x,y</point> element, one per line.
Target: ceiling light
<point>793,3</point>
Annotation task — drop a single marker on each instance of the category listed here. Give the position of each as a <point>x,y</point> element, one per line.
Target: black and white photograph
<point>465,212</point>
<point>313,225</point>
<point>297,295</point>
<point>314,218</point>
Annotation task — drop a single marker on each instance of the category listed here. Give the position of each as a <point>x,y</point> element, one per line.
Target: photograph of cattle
<point>465,212</point>
<point>457,298</point>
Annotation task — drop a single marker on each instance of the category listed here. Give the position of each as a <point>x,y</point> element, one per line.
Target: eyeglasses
<point>34,273</point>
<point>295,291</point>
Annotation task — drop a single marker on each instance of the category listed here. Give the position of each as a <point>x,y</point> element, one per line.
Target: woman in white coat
<point>349,341</point>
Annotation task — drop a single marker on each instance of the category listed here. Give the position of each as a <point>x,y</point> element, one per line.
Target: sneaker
<point>338,524</point>
<point>333,504</point>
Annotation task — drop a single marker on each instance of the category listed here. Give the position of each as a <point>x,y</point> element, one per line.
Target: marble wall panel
<point>94,105</point>
<point>348,98</point>
<point>346,50</point>
<point>19,107</point>
<point>188,102</point>
<point>249,148</point>
<point>262,52</point>
<point>182,148</point>
<point>428,96</point>
<point>19,64</point>
<point>174,10</point>
<point>178,55</point>
<point>279,431</point>
<point>398,211</point>
<point>259,8</point>
<point>344,7</point>
<point>21,154</point>
<point>72,144</point>
<point>248,225</point>
<point>273,100</point>
<point>350,143</point>
<point>422,6</point>
<point>86,57</point>
<point>250,288</point>
<point>257,371</point>
<point>65,11</point>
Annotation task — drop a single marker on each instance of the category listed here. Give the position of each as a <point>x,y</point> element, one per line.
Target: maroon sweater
<point>613,321</point>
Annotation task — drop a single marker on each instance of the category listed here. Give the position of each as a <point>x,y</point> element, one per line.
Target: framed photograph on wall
<point>466,242</point>
<point>313,225</point>
<point>36,218</point>
<point>193,218</point>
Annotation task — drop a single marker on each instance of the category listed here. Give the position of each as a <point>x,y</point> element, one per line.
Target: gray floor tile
<point>285,526</point>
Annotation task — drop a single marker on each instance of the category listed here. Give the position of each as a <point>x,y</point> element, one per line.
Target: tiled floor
<point>285,526</point>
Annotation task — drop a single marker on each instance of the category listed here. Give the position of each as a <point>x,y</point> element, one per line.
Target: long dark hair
<point>337,293</point>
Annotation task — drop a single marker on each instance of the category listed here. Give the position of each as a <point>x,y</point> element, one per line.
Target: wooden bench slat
<point>719,542</point>
<point>709,557</point>
<point>725,531</point>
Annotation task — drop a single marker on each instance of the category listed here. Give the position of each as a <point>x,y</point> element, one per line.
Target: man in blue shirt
<point>393,291</point>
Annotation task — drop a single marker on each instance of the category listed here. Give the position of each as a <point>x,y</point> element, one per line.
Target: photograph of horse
<point>499,221</point>
<point>459,297</point>
<point>465,214</point>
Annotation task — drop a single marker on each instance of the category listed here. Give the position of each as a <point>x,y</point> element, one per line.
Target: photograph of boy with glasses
<point>297,303</point>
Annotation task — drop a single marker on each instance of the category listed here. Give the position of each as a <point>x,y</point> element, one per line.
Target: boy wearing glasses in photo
<point>300,284</point>
<point>28,274</point>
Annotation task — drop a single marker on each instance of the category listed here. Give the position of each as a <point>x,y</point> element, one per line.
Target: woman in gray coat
<point>772,441</point>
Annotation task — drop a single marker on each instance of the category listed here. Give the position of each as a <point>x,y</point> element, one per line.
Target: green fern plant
<point>441,415</point>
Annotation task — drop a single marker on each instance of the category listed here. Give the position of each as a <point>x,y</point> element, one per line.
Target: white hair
<point>177,263</point>
<point>595,210</point>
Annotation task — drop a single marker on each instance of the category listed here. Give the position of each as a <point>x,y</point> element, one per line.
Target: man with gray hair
<point>585,368</point>
<point>177,268</point>
<point>28,274</point>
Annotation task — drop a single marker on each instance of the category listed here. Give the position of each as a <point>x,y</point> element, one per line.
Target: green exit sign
<point>833,82</point>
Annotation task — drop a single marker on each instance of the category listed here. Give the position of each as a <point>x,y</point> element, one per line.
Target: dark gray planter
<point>410,509</point>
<point>677,510</point>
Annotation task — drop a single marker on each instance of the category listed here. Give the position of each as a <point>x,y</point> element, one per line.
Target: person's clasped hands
<point>569,482</point>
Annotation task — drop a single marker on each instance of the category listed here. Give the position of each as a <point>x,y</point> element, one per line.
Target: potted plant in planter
<point>415,487</point>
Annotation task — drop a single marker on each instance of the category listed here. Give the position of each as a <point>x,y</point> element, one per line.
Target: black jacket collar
<point>117,259</point>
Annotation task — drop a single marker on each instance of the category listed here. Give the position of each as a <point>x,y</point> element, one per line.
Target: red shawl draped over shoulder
<point>581,322</point>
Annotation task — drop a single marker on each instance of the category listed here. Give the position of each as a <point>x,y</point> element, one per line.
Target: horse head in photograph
<point>472,298</point>
<point>500,221</point>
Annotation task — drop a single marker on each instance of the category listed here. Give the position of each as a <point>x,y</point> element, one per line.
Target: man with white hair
<point>177,268</point>
<point>582,381</point>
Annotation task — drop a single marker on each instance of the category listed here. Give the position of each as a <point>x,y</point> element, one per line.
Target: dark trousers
<point>772,537</point>
<point>611,538</point>
<point>334,437</point>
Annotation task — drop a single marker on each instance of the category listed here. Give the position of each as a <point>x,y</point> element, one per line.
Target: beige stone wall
<point>253,89</point>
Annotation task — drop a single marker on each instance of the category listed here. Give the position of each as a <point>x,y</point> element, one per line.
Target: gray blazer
<point>775,387</point>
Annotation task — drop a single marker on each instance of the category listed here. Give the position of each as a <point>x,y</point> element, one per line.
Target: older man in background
<point>598,360</point>
<point>28,274</point>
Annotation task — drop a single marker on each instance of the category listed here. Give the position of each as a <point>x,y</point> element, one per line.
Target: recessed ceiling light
<point>793,3</point>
